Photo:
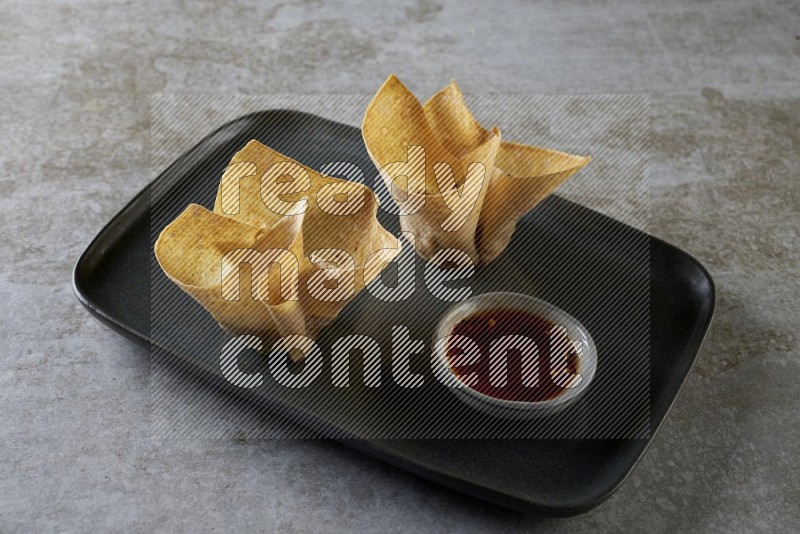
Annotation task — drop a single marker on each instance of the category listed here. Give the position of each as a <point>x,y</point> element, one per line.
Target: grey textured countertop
<point>76,83</point>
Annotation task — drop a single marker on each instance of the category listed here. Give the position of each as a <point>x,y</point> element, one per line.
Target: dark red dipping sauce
<point>551,342</point>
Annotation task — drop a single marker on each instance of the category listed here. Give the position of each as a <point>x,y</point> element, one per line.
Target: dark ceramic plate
<point>604,273</point>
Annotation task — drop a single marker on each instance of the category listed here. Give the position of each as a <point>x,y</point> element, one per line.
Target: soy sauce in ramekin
<point>551,342</point>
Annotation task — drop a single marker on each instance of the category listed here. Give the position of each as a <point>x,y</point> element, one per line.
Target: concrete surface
<point>75,87</point>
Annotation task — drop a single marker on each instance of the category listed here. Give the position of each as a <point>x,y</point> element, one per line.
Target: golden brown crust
<point>338,215</point>
<point>518,176</point>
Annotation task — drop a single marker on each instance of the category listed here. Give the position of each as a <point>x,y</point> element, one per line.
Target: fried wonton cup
<point>405,148</point>
<point>517,177</point>
<point>284,250</point>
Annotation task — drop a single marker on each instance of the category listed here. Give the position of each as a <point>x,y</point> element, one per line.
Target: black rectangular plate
<point>560,477</point>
